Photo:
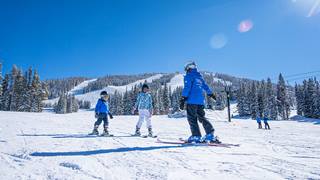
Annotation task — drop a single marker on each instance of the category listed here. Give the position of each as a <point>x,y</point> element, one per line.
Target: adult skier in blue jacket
<point>192,94</point>
<point>101,113</point>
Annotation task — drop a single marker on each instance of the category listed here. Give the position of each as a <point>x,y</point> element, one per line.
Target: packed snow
<point>56,146</point>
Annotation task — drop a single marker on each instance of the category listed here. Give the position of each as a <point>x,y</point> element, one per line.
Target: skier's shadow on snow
<point>102,151</point>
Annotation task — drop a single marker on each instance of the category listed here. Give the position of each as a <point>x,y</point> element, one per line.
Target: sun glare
<point>309,8</point>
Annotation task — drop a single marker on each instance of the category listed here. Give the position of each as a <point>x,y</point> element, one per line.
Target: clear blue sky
<point>93,38</point>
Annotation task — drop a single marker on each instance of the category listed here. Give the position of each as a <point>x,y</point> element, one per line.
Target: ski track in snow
<point>55,146</point>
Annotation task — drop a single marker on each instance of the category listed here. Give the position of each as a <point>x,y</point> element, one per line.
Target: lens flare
<point>308,8</point>
<point>245,26</point>
<point>218,41</point>
<point>314,9</point>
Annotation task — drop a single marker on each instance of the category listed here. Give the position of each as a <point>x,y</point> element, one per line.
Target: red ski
<point>183,142</point>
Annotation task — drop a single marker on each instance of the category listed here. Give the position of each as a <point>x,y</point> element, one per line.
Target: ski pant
<point>259,125</point>
<point>266,125</point>
<point>102,117</point>
<point>196,113</point>
<point>144,114</point>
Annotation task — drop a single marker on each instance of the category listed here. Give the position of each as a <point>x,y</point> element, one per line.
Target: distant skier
<point>192,94</point>
<point>101,113</point>
<point>266,124</point>
<point>145,109</point>
<point>259,123</point>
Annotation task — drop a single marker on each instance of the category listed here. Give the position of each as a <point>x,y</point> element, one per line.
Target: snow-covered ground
<point>94,95</point>
<point>55,146</point>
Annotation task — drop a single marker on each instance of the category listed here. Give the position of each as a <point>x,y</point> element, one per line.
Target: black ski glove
<point>110,115</point>
<point>96,115</point>
<point>182,102</point>
<point>213,96</point>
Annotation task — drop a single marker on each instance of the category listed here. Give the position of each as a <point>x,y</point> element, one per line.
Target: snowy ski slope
<point>79,88</point>
<point>55,146</point>
<point>176,81</point>
<point>94,95</point>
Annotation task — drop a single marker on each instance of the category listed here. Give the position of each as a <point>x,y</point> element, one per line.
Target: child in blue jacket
<point>101,113</point>
<point>266,124</point>
<point>259,123</point>
<point>192,95</point>
<point>145,109</point>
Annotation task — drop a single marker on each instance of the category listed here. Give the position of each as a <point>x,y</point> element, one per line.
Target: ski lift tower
<point>228,92</point>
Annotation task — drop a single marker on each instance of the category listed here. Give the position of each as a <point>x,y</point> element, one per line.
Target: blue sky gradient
<point>94,38</point>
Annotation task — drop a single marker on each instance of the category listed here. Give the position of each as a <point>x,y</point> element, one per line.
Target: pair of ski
<point>144,136</point>
<point>182,141</point>
<point>101,135</point>
<point>132,135</point>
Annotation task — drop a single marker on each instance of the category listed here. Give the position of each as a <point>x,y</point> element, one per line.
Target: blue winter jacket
<point>265,120</point>
<point>194,85</point>
<point>258,120</point>
<point>102,106</point>
<point>144,101</point>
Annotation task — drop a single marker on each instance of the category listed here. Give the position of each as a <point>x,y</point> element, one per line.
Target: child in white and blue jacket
<point>101,113</point>
<point>145,109</point>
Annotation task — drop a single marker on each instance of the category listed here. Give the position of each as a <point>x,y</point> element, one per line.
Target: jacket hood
<point>194,72</point>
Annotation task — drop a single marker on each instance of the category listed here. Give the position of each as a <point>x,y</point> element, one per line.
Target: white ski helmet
<point>190,65</point>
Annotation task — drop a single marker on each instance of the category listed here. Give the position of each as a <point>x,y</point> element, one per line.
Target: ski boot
<point>137,132</point>
<point>210,138</point>
<point>194,139</point>
<point>150,133</point>
<point>106,132</point>
<point>95,131</point>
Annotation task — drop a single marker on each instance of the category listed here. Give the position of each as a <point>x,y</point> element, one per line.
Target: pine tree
<point>19,92</point>
<point>1,88</point>
<point>282,99</point>
<point>28,90</point>
<point>271,110</point>
<point>253,98</point>
<point>0,83</point>
<point>84,105</point>
<point>156,100</point>
<point>36,93</point>
<point>261,95</point>
<point>75,104</point>
<point>310,91</point>
<point>299,99</point>
<point>12,88</point>
<point>315,96</point>
<point>165,99</point>
<point>126,103</point>
<point>61,107</point>
<point>160,102</point>
<point>243,99</point>
<point>175,97</point>
<point>6,97</point>
<point>69,104</point>
<point>220,101</point>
